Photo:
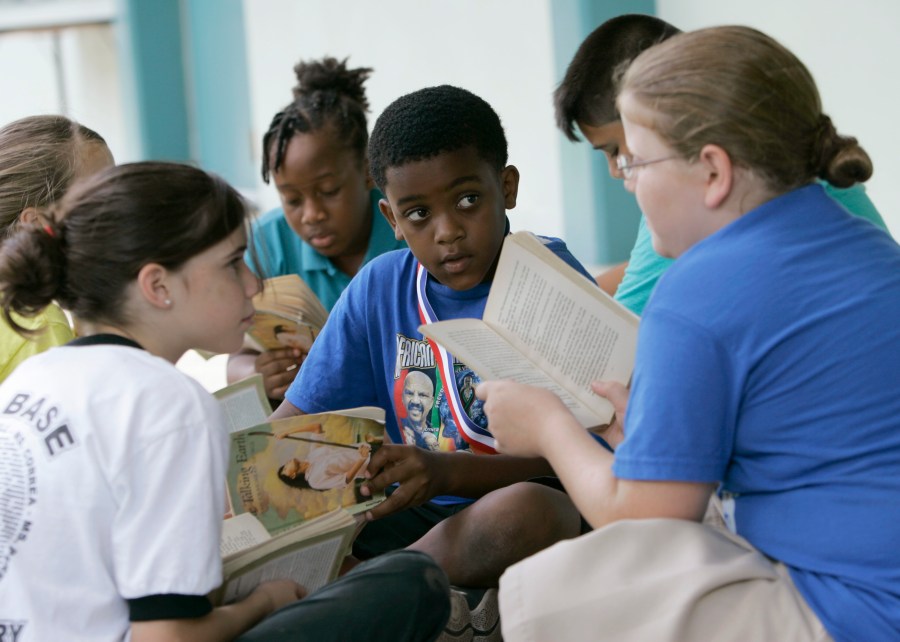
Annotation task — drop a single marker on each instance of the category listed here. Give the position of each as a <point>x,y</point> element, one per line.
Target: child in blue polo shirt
<point>328,225</point>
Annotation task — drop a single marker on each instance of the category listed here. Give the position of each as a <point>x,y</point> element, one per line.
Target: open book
<point>310,554</point>
<point>293,488</point>
<point>546,325</point>
<point>288,313</point>
<point>245,403</point>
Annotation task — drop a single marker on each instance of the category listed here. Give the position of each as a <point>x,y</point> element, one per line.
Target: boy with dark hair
<point>439,155</point>
<point>587,94</point>
<point>586,99</point>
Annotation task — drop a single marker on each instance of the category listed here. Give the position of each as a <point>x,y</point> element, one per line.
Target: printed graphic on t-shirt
<point>421,403</point>
<point>51,437</point>
<point>18,494</point>
<point>11,630</point>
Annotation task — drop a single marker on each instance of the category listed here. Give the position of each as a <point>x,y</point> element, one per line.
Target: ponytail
<point>32,272</point>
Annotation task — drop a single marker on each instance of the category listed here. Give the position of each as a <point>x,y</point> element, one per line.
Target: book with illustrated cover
<point>546,325</point>
<point>288,314</point>
<point>294,500</point>
<point>292,470</point>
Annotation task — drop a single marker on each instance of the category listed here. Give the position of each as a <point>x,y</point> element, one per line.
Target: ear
<point>152,280</point>
<point>388,214</point>
<point>509,179</point>
<point>719,175</point>
<point>29,216</point>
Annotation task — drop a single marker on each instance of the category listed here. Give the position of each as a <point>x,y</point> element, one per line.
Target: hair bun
<point>839,159</point>
<point>331,74</point>
<point>32,269</point>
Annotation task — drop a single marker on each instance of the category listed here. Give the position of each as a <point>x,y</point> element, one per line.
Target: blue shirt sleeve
<point>338,371</point>
<point>681,412</point>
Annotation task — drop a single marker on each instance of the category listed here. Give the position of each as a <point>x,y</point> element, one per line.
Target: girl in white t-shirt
<point>112,462</point>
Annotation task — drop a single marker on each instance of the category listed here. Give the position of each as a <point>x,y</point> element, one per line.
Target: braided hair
<point>327,94</point>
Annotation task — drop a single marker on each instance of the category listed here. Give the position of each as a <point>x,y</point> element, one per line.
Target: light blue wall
<point>186,70</point>
<point>601,217</point>
<point>150,35</point>
<point>219,91</point>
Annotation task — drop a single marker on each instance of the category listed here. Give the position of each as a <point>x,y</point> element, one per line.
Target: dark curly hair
<point>432,121</point>
<point>326,94</point>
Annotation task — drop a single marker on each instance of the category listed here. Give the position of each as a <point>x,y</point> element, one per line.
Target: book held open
<point>293,489</point>
<point>546,325</point>
<point>288,314</point>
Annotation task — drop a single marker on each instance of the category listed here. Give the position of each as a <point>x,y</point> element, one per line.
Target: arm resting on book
<point>284,410</point>
<point>225,622</point>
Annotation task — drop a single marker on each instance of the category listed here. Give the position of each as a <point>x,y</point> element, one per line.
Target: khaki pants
<point>654,580</point>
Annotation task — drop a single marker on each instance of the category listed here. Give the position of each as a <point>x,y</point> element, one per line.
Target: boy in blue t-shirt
<point>439,155</point>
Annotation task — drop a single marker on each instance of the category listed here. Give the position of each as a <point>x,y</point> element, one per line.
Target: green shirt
<point>14,348</point>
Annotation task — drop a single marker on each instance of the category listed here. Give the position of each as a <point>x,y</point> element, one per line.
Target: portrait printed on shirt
<point>423,405</point>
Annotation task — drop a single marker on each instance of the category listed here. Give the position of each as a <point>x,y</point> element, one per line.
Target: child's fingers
<point>615,392</point>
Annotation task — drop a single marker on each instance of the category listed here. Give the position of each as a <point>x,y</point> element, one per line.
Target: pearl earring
<point>168,302</point>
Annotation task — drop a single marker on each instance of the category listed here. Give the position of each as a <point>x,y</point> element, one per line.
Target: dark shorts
<point>403,528</point>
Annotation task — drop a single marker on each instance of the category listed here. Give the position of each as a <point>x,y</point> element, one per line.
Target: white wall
<point>498,49</point>
<point>85,86</point>
<point>501,50</point>
<point>852,51</point>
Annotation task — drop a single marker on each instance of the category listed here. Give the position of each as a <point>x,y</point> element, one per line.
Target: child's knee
<point>532,511</point>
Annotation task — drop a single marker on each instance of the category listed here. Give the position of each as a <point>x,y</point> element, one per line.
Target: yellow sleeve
<point>14,348</point>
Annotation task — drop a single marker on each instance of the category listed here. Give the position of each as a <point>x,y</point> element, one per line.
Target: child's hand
<point>278,368</point>
<point>364,450</point>
<point>280,593</point>
<point>418,471</point>
<point>617,394</point>
<point>521,417</point>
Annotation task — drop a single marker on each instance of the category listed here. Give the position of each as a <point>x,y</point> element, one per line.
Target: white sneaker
<point>474,616</point>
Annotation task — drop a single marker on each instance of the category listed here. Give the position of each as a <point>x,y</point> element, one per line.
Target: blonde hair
<point>737,88</point>
<point>38,158</point>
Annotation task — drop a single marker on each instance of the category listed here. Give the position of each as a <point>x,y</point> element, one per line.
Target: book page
<point>555,321</point>
<point>311,566</point>
<point>493,357</point>
<point>241,532</point>
<point>245,403</point>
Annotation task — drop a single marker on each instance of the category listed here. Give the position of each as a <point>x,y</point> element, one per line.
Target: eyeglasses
<point>627,164</point>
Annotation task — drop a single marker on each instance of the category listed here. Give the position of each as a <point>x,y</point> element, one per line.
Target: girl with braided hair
<point>328,225</point>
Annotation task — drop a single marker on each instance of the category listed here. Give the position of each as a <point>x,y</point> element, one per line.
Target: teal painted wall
<point>150,36</point>
<point>219,91</point>
<point>601,217</point>
<point>186,83</point>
